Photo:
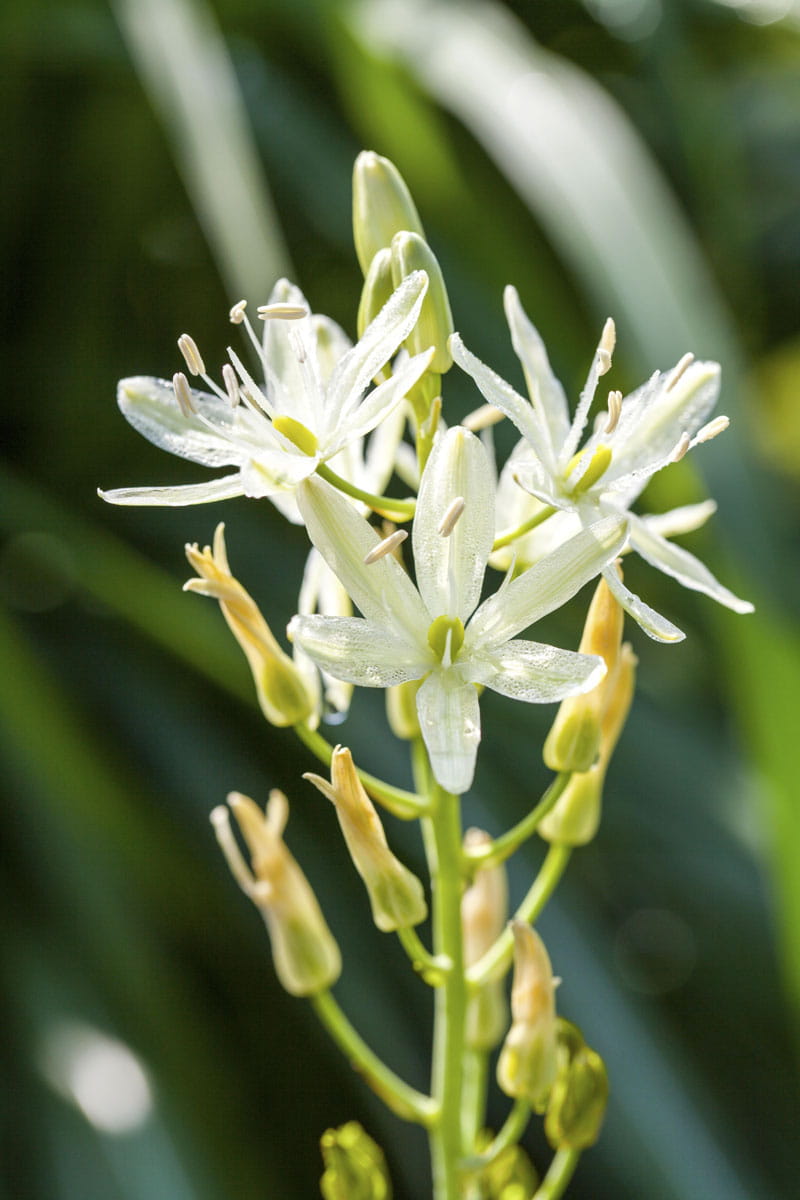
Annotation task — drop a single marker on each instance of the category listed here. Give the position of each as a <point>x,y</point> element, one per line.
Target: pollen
<point>680,450</point>
<point>605,349</point>
<point>712,429</point>
<point>188,348</point>
<point>678,370</point>
<point>450,518</point>
<point>281,312</point>
<point>614,411</point>
<point>236,315</point>
<point>183,395</point>
<point>482,418</point>
<point>387,546</point>
<point>231,381</point>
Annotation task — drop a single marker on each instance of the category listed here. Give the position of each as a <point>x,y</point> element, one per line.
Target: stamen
<point>614,411</point>
<point>387,546</point>
<point>605,349</point>
<point>180,385</point>
<point>448,521</point>
<point>236,315</point>
<point>231,381</point>
<point>282,312</point>
<point>188,348</point>
<point>681,448</point>
<point>679,369</point>
<point>482,418</point>
<point>712,429</point>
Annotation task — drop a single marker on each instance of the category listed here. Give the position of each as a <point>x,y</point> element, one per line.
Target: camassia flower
<point>435,631</point>
<point>638,435</point>
<point>311,405</point>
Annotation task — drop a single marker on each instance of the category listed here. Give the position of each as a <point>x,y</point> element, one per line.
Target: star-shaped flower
<point>311,406</point>
<point>435,631</point>
<point>647,430</point>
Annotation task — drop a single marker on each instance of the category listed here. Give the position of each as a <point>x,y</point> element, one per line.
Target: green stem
<point>402,1099</point>
<point>406,805</point>
<point>386,506</point>
<point>509,1135</point>
<point>497,960</point>
<point>473,1100</point>
<point>561,1170</point>
<point>505,539</point>
<point>428,966</point>
<point>503,847</point>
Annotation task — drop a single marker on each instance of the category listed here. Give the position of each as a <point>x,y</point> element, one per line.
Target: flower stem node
<point>579,1097</point>
<point>527,1066</point>
<point>396,895</point>
<point>484,912</point>
<point>355,1168</point>
<point>410,253</point>
<point>283,693</point>
<point>306,957</point>
<point>382,206</point>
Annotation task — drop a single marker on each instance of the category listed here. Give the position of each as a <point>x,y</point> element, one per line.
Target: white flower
<point>639,435</point>
<point>311,407</point>
<point>433,631</point>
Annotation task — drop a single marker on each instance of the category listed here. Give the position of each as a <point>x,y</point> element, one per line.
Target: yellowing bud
<point>410,252</point>
<point>355,1168</point>
<point>527,1064</point>
<point>579,1097</point>
<point>282,693</point>
<point>396,895</point>
<point>401,709</point>
<point>382,206</point>
<point>306,957</point>
<point>573,742</point>
<point>484,912</point>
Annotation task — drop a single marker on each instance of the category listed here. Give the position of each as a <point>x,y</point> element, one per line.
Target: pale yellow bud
<point>410,253</point>
<point>396,895</point>
<point>306,957</point>
<point>282,692</point>
<point>382,206</point>
<point>526,1068</point>
<point>484,912</point>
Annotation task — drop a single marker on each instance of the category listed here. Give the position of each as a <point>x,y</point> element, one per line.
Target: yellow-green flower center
<point>446,637</point>
<point>297,433</point>
<point>599,464</point>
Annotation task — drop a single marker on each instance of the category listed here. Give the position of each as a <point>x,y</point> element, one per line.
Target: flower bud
<point>579,1097</point>
<point>573,742</point>
<point>576,815</point>
<point>355,1168</point>
<point>396,895</point>
<point>527,1064</point>
<point>377,290</point>
<point>283,694</point>
<point>382,206</point>
<point>509,1176</point>
<point>484,912</point>
<point>410,252</point>
<point>401,709</point>
<point>306,957</point>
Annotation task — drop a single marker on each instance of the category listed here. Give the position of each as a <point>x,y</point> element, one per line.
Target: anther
<point>605,349</point>
<point>712,429</point>
<point>188,348</point>
<point>180,385</point>
<point>231,380</point>
<point>482,418</point>
<point>679,369</point>
<point>236,315</point>
<point>282,312</point>
<point>448,521</point>
<point>614,411</point>
<point>681,448</point>
<point>387,546</point>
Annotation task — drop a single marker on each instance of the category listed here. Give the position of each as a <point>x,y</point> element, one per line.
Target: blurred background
<point>163,158</point>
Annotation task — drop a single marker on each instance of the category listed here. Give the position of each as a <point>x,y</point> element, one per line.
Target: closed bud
<point>579,1097</point>
<point>382,206</point>
<point>510,1176</point>
<point>396,895</point>
<point>306,957</point>
<point>377,289</point>
<point>283,694</point>
<point>355,1168</point>
<point>401,709</point>
<point>573,742</point>
<point>410,252</point>
<point>484,912</point>
<point>575,817</point>
<point>527,1064</point>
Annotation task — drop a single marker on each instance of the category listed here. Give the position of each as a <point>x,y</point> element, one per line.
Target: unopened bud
<point>526,1068</point>
<point>484,912</point>
<point>573,742</point>
<point>377,289</point>
<point>579,1097</point>
<point>382,206</point>
<point>410,253</point>
<point>306,957</point>
<point>396,895</point>
<point>282,693</point>
<point>355,1168</point>
<point>401,709</point>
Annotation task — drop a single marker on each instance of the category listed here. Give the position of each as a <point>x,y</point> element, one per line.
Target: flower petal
<point>546,585</point>
<point>683,566</point>
<point>535,672</point>
<point>382,591</point>
<point>450,569</point>
<point>359,651</point>
<point>207,436</point>
<point>685,519</point>
<point>503,396</point>
<point>546,393</point>
<point>450,722</point>
<point>379,403</point>
<point>174,497</point>
<point>652,622</point>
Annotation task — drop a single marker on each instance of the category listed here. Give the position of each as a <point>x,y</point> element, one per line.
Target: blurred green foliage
<point>125,712</point>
